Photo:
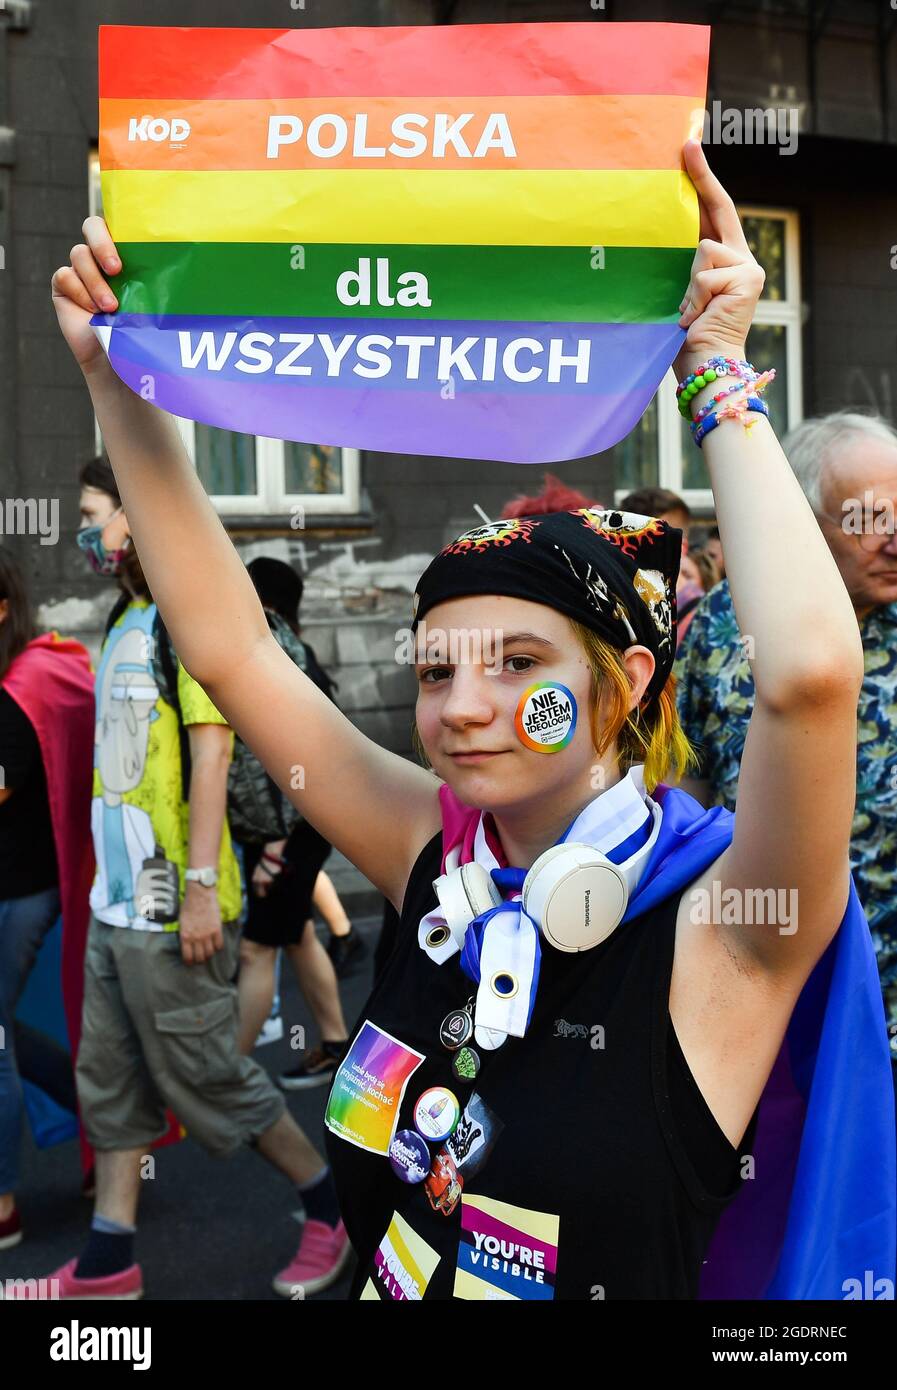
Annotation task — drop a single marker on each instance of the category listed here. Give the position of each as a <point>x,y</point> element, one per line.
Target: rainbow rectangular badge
<point>505,1252</point>
<point>466,240</point>
<point>367,1090</point>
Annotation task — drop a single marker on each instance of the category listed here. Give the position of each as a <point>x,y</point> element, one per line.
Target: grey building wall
<point>360,571</point>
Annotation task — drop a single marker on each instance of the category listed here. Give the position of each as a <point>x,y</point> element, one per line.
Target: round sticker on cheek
<point>546,717</point>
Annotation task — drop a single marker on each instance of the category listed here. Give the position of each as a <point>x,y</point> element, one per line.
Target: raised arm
<point>376,807</point>
<point>798,772</point>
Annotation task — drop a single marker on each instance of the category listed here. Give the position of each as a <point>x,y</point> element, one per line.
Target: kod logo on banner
<point>158,129</point>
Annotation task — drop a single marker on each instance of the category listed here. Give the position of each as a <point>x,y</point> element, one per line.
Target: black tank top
<point>586,1165</point>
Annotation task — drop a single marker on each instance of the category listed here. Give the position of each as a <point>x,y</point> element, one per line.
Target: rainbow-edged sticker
<point>546,717</point>
<point>368,1088</point>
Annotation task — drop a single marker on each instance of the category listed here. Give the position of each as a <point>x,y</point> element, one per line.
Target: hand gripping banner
<point>466,240</point>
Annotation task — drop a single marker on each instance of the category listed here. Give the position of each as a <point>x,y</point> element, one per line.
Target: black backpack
<point>257,809</point>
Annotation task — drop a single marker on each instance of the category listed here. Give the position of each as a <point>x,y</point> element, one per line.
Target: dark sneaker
<point>315,1069</point>
<point>10,1230</point>
<point>345,951</point>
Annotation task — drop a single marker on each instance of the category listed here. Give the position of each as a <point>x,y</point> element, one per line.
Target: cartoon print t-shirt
<point>139,818</point>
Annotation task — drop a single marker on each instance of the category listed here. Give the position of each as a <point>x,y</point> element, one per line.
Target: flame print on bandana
<point>624,529</point>
<point>477,541</point>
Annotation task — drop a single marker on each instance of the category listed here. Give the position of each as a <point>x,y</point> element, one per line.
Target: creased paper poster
<point>364,1101</point>
<point>465,240</point>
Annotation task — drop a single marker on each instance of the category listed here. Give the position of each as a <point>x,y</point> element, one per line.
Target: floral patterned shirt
<point>716,695</point>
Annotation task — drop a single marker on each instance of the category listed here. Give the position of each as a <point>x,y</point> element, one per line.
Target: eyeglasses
<point>870,537</point>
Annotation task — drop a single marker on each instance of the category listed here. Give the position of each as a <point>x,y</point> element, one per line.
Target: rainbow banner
<point>467,240</point>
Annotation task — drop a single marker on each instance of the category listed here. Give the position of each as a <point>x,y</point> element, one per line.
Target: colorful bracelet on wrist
<point>706,374</point>
<point>743,385</point>
<point>729,412</point>
<point>740,397</point>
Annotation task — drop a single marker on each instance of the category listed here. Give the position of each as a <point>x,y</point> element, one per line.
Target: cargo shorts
<point>157,1033</point>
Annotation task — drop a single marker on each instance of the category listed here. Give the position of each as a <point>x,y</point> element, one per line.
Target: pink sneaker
<point>62,1283</point>
<point>318,1263</point>
<point>10,1230</point>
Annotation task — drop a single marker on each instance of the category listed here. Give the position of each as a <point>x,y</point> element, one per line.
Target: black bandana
<point>614,572</point>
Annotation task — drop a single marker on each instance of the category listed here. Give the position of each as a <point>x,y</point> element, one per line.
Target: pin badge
<point>409,1157</point>
<point>546,717</point>
<point>456,1029</point>
<point>436,1114</point>
<point>466,1064</point>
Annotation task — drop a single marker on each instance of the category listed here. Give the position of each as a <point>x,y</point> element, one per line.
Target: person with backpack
<point>159,1027</point>
<point>280,589</point>
<point>283,857</point>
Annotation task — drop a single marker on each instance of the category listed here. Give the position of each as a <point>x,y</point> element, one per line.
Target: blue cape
<point>41,1008</point>
<point>819,1219</point>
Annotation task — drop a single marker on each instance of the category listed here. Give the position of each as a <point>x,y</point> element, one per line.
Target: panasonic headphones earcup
<point>576,896</point>
<point>463,894</point>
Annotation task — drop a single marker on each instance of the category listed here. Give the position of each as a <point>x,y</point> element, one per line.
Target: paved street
<point>209,1228</point>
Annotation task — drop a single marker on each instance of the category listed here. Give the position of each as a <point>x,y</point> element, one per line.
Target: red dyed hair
<point>554,497</point>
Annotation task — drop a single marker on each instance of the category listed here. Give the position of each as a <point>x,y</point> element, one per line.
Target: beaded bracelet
<point>742,385</point>
<point>729,412</point>
<point>706,374</point>
<point>756,385</point>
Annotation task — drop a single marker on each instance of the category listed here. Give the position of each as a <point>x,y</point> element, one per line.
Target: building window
<point>659,451</point>
<point>249,475</point>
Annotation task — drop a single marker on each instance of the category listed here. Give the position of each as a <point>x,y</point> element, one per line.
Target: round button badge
<point>455,1029</point>
<point>409,1157</point>
<point>546,717</point>
<point>436,1114</point>
<point>466,1064</point>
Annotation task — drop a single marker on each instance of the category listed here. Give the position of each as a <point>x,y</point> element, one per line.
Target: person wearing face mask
<point>596,1000</point>
<point>160,1020</point>
<point>46,861</point>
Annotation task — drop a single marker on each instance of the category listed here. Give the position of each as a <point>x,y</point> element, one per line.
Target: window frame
<point>786,313</point>
<point>271,498</point>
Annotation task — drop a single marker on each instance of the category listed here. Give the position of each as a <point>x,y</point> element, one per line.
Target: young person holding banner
<point>548,1093</point>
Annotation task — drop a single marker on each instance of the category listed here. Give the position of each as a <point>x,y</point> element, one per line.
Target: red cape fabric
<point>52,683</point>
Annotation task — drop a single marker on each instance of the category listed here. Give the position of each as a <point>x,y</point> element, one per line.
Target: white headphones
<point>463,893</point>
<point>576,895</point>
<point>573,892</point>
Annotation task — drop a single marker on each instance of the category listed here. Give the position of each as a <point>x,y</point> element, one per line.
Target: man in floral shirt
<point>847,467</point>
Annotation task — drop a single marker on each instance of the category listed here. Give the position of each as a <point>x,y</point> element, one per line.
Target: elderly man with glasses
<point>846,464</point>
